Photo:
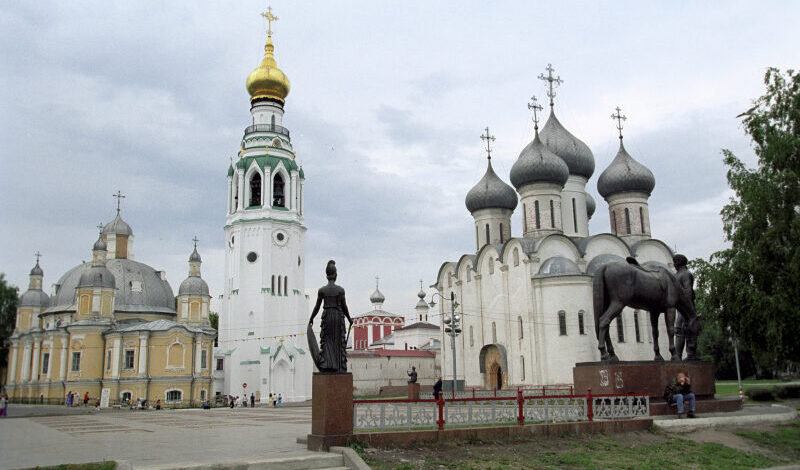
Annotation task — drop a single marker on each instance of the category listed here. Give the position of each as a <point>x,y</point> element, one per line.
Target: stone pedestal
<point>651,378</point>
<point>413,391</point>
<point>331,411</point>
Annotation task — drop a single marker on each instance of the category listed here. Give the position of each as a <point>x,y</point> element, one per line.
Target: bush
<point>760,394</point>
<point>788,391</point>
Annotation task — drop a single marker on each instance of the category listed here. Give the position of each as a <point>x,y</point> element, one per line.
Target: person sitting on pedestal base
<point>679,391</point>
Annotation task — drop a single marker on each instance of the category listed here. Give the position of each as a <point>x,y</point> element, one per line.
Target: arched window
<point>627,221</point>
<point>562,323</point>
<point>536,211</point>
<point>641,219</point>
<point>516,256</point>
<point>494,332</point>
<point>522,366</point>
<point>487,234</point>
<point>278,199</point>
<point>524,219</point>
<point>501,233</point>
<point>255,190</point>
<point>174,395</point>
<point>285,285</point>
<point>521,334</point>
<point>574,215</point>
<point>620,329</point>
<point>581,327</point>
<point>471,337</point>
<point>125,397</point>
<point>552,215</point>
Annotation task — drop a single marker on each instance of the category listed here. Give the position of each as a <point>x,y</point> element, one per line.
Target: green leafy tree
<point>8,315</point>
<point>753,286</point>
<point>213,319</point>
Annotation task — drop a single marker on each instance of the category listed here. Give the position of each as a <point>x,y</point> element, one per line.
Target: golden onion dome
<point>268,80</point>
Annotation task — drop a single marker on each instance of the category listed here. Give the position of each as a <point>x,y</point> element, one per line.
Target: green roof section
<point>230,170</point>
<point>264,161</point>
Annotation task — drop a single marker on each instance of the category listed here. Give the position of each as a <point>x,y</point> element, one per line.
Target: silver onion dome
<point>537,164</point>
<point>625,174</point>
<point>37,270</point>
<point>118,226</point>
<point>34,298</point>
<point>591,206</point>
<point>195,256</point>
<point>377,297</point>
<point>569,148</point>
<point>491,193</point>
<point>99,245</point>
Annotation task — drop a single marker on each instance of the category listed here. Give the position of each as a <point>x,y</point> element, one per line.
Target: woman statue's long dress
<point>332,357</point>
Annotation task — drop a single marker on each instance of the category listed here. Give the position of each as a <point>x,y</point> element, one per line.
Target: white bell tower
<point>264,310</point>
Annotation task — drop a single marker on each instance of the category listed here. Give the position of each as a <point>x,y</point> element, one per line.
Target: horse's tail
<point>599,297</point>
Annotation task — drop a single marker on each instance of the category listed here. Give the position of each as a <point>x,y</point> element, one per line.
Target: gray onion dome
<point>625,174</point>
<point>421,303</point>
<point>34,298</point>
<point>569,148</point>
<point>377,297</point>
<point>97,276</point>
<point>37,270</point>
<point>537,164</point>
<point>99,245</point>
<point>118,226</point>
<point>193,285</point>
<point>591,206</point>
<point>491,193</point>
<point>195,256</point>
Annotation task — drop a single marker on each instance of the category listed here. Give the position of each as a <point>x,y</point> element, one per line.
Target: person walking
<point>69,399</point>
<point>437,388</point>
<point>86,399</point>
<point>252,400</point>
<point>280,400</point>
<point>3,405</point>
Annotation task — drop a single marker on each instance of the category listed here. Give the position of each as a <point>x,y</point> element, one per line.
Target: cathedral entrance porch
<point>493,366</point>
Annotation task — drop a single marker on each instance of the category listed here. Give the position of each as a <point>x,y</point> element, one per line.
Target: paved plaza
<point>151,438</point>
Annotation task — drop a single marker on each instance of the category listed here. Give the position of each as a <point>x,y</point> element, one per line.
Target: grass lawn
<point>778,445</point>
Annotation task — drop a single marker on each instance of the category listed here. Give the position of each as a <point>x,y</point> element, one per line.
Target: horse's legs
<point>654,327</point>
<point>676,352</point>
<point>604,339</point>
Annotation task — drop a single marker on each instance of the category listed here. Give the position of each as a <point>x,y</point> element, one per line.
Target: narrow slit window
<point>581,327</point>
<point>487,234</point>
<point>501,233</point>
<point>278,199</point>
<point>614,222</point>
<point>620,329</point>
<point>552,215</point>
<point>255,190</point>
<point>285,285</point>
<point>627,221</point>
<point>641,219</point>
<point>574,215</point>
<point>524,218</point>
<point>562,323</point>
<point>636,327</point>
<point>536,210</point>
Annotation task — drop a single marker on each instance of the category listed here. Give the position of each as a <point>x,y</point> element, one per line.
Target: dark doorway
<point>499,378</point>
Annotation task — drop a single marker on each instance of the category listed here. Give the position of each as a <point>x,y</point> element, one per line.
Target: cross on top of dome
<point>489,138</point>
<point>119,197</point>
<point>535,106</point>
<point>270,18</point>
<point>619,118</point>
<point>550,79</point>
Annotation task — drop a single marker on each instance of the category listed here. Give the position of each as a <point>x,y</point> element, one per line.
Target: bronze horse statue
<point>657,290</point>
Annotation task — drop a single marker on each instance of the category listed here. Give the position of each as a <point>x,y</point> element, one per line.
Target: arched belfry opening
<point>255,190</point>
<point>278,185</point>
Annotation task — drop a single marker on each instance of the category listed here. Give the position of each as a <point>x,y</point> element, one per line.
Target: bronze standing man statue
<point>331,356</point>
<point>686,281</point>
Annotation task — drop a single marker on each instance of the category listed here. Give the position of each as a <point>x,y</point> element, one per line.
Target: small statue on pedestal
<point>331,355</point>
<point>412,375</point>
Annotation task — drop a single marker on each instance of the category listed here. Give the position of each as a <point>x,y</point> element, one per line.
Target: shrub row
<point>769,393</point>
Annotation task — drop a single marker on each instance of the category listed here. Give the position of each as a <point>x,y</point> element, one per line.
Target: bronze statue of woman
<point>331,357</point>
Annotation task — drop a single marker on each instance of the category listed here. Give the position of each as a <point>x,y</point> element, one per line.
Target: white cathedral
<point>526,303</point>
<point>264,309</point>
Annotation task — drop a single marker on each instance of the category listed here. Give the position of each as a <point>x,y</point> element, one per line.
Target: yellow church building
<point>113,326</point>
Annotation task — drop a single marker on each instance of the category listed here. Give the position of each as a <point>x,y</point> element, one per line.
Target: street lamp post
<point>736,355</point>
<point>452,327</point>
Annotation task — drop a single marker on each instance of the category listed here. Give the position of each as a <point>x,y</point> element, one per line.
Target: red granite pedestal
<point>651,378</point>
<point>331,411</point>
<point>413,391</point>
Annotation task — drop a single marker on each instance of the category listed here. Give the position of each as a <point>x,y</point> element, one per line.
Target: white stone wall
<point>575,188</point>
<point>370,373</point>
<point>499,222</point>
<point>543,193</point>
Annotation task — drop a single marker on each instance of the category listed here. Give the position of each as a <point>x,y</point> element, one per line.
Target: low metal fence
<point>506,392</point>
<point>387,415</point>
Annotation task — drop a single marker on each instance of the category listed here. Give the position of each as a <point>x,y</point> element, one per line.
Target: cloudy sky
<point>387,104</point>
